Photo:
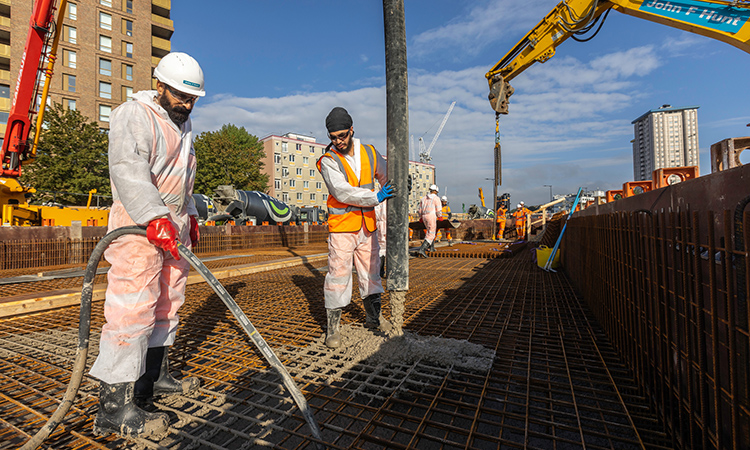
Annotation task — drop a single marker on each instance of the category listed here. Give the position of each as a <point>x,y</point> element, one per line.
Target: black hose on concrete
<point>84,328</point>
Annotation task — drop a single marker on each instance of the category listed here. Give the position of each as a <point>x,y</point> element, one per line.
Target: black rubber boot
<point>333,334</point>
<point>374,315</point>
<point>120,415</point>
<point>432,246</point>
<point>382,267</point>
<point>157,380</point>
<point>422,248</point>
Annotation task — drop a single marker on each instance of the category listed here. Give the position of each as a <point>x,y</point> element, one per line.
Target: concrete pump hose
<point>84,328</point>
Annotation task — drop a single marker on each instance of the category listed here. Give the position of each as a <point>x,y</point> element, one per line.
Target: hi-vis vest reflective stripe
<point>343,218</point>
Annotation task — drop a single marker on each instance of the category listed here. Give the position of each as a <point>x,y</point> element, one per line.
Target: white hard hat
<point>523,203</point>
<point>182,72</point>
<point>445,198</point>
<point>434,188</point>
<point>518,206</point>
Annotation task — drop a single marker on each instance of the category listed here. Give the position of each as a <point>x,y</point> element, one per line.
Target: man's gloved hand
<point>195,232</point>
<point>386,192</point>
<point>162,234</point>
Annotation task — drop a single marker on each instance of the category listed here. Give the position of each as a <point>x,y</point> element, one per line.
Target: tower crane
<point>424,154</point>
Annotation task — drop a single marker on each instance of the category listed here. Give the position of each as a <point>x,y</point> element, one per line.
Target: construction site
<point>620,321</point>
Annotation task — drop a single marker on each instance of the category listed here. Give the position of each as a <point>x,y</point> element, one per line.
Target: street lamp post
<point>550,191</point>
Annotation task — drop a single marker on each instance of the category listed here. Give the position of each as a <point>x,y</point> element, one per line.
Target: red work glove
<point>195,232</point>
<point>162,234</point>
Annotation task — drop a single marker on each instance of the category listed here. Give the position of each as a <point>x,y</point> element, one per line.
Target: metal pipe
<point>397,118</point>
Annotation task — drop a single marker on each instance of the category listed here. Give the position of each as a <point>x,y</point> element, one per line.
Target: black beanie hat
<point>338,119</point>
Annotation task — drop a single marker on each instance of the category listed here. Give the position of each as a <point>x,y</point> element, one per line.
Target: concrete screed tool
<point>84,328</point>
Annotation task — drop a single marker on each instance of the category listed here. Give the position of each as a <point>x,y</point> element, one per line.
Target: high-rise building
<point>107,50</point>
<point>422,176</point>
<point>665,137</point>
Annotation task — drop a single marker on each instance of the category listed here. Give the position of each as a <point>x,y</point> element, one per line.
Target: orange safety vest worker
<point>520,216</point>
<point>343,218</point>
<point>446,212</point>
<point>501,213</point>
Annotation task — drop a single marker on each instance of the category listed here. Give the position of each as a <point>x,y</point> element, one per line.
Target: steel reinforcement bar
<point>670,290</point>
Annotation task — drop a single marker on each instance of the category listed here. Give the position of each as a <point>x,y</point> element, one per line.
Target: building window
<point>306,184</point>
<point>325,197</point>
<point>284,172</point>
<point>127,49</point>
<point>312,172</point>
<point>69,104</point>
<point>299,171</point>
<point>105,67</point>
<point>277,158</point>
<point>312,149</point>
<point>312,197</point>
<point>291,158</point>
<point>277,184</point>
<point>285,198</point>
<point>298,147</point>
<point>127,93</point>
<point>293,183</point>
<point>284,147</point>
<point>299,196</point>
<point>127,27</point>
<point>69,83</point>
<point>69,58</point>
<point>4,117</point>
<point>105,90</point>
<point>127,72</point>
<point>106,3</point>
<point>105,44</point>
<point>4,91</point>
<point>70,34</point>
<point>72,11</point>
<point>318,185</point>
<point>105,21</point>
<point>127,6</point>
<point>305,160</point>
<point>104,112</point>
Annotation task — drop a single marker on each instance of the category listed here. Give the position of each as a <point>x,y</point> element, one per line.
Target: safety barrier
<point>44,254</point>
<point>670,288</point>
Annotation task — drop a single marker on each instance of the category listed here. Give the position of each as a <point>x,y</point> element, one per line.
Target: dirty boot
<point>157,380</point>
<point>382,267</point>
<point>422,248</point>
<point>374,315</point>
<point>333,334</point>
<point>432,246</point>
<point>120,415</point>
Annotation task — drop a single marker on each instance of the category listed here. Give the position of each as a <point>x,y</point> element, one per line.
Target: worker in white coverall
<point>430,211</point>
<point>152,169</point>
<point>349,170</point>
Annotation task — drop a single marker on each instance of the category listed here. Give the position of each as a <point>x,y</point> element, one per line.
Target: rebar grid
<point>665,288</point>
<point>555,382</point>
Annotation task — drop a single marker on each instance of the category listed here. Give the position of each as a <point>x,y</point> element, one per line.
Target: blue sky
<point>280,66</point>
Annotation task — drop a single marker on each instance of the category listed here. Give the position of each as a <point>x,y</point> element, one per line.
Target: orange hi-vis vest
<point>500,215</point>
<point>344,218</point>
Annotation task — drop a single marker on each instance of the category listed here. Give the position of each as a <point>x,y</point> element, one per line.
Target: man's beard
<point>179,114</point>
<point>348,147</point>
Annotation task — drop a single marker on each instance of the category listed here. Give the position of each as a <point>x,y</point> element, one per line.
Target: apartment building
<point>290,165</point>
<point>665,137</point>
<point>107,51</point>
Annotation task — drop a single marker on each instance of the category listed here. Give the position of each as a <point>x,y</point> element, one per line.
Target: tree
<point>230,155</point>
<point>71,159</point>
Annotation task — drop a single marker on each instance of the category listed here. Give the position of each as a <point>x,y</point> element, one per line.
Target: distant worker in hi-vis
<point>430,210</point>
<point>500,219</point>
<point>447,214</point>
<point>349,169</point>
<point>520,215</point>
<point>152,168</point>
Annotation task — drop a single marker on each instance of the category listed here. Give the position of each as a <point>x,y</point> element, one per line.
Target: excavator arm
<point>726,21</point>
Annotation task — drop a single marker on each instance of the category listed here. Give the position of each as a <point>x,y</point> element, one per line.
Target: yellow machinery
<point>17,147</point>
<point>726,21</point>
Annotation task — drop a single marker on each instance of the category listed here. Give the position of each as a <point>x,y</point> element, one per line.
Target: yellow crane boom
<point>727,21</point>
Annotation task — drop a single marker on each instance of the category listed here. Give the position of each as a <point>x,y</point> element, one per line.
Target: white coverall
<point>152,168</point>
<point>362,246</point>
<point>430,209</point>
<point>380,219</point>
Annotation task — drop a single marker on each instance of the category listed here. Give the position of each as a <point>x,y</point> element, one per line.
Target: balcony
<point>161,26</point>
<point>160,47</point>
<point>165,4</point>
<point>4,50</point>
<point>5,75</point>
<point>4,21</point>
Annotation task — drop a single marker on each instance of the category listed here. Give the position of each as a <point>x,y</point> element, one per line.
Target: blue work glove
<point>386,192</point>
